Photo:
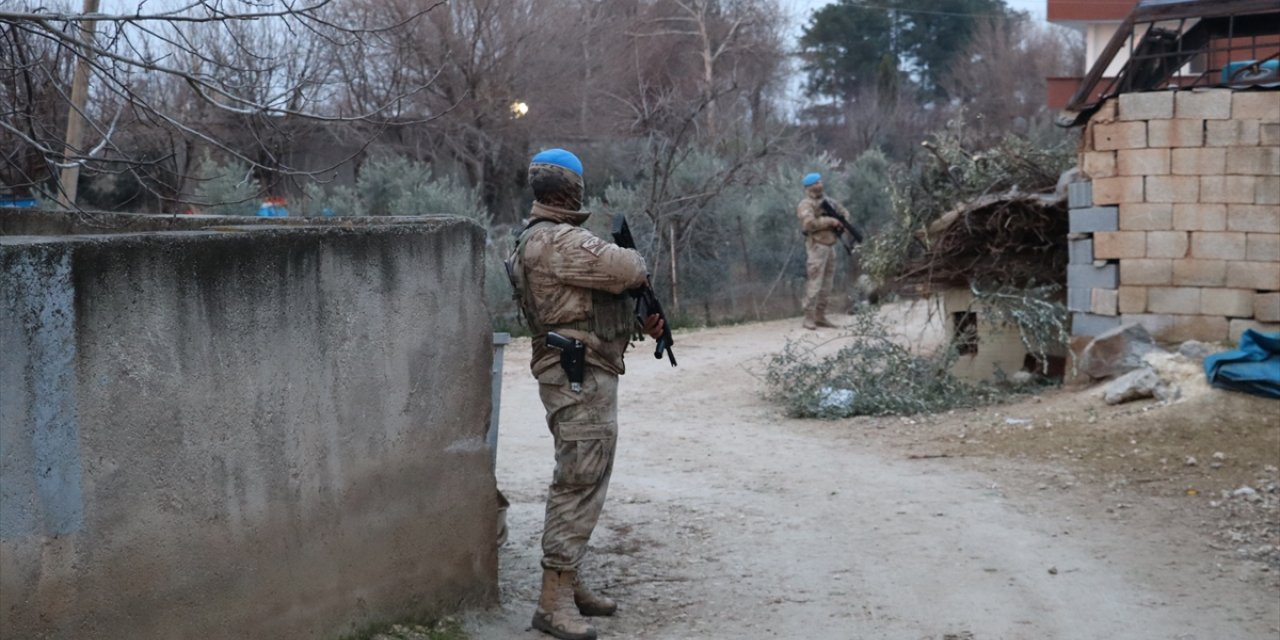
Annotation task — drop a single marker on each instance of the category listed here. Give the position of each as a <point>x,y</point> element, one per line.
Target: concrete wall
<point>249,432</point>
<point>999,348</point>
<point>1183,225</point>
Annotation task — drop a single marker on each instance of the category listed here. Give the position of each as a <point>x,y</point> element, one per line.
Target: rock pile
<point>1139,368</point>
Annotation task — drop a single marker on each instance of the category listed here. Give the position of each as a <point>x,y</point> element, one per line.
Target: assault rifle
<point>573,358</point>
<point>829,211</point>
<point>646,301</point>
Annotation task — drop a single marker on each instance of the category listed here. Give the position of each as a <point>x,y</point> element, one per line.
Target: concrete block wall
<point>1184,204</point>
<point>1092,285</point>
<point>255,431</point>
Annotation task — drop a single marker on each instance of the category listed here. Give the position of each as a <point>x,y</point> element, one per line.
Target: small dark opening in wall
<point>965,335</point>
<point>1055,368</point>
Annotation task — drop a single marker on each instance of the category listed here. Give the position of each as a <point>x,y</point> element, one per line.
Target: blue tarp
<point>1253,368</point>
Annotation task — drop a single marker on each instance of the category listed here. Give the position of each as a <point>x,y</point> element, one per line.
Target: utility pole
<point>70,176</point>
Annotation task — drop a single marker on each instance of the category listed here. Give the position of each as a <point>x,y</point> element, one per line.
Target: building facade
<point>1098,21</point>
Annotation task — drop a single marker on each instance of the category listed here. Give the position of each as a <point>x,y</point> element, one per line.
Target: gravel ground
<point>1054,517</point>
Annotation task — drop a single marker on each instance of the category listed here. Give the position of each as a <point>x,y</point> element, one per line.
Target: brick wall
<point>1180,227</point>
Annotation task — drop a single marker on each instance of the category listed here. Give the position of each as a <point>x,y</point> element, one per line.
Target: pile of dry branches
<point>1011,240</point>
<point>971,213</point>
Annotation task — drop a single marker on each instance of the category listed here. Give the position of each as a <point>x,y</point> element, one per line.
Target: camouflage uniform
<point>820,239</point>
<point>572,282</point>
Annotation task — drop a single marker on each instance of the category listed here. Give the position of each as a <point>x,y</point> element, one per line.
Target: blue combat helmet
<point>559,158</point>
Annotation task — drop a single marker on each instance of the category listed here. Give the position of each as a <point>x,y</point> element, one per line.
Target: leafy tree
<point>845,43</point>
<point>934,36</point>
<point>867,195</point>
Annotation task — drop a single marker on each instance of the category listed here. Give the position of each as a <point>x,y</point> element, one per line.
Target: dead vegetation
<point>1013,239</point>
<point>968,215</point>
<point>866,369</point>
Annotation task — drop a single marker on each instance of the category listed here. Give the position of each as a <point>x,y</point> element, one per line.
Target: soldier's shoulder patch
<point>595,246</point>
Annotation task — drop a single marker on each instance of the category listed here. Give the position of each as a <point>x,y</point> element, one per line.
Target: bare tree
<point>35,79</point>
<point>695,97</point>
<point>471,58</point>
<point>195,71</point>
<point>1001,77</point>
<point>716,32</point>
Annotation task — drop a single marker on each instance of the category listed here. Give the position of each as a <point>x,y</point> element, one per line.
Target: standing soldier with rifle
<point>822,221</point>
<point>572,288</point>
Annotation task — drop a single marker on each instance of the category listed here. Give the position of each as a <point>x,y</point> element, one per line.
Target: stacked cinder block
<point>1089,278</point>
<point>1180,227</point>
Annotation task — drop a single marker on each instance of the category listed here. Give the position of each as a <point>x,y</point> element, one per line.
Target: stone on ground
<point>1116,351</point>
<point>1135,385</point>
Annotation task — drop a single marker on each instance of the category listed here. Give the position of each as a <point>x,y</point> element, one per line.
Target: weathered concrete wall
<point>1185,214</point>
<point>271,432</point>
<point>997,350</point>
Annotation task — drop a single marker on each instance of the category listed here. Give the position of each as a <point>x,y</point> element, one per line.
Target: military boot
<point>820,316</point>
<point>809,322</point>
<point>557,614</point>
<point>591,603</point>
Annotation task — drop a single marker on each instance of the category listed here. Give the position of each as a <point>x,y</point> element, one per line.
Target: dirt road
<point>727,520</point>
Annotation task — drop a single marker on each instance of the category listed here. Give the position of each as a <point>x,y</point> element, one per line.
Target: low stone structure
<point>1180,227</point>
<point>987,349</point>
<point>238,430</point>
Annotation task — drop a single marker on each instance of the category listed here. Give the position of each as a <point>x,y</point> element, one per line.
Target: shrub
<point>228,189</point>
<point>395,185</point>
<point>871,374</point>
<point>867,186</point>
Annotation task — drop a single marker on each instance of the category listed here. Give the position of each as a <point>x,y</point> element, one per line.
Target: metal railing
<point>1196,43</point>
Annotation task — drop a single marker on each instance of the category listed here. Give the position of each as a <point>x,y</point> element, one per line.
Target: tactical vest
<point>611,315</point>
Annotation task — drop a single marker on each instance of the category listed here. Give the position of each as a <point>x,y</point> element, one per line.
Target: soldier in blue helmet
<point>570,282</point>
<point>821,234</point>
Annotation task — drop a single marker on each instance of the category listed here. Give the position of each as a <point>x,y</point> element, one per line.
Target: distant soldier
<point>570,282</point>
<point>821,234</point>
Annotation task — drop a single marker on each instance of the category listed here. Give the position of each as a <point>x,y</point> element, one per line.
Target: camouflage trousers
<point>585,428</point>
<point>820,269</point>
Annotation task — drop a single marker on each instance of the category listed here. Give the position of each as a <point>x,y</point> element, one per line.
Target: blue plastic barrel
<point>272,210</point>
<point>1269,70</point>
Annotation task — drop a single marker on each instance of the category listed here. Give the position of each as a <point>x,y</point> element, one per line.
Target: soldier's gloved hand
<point>835,225</point>
<point>653,326</point>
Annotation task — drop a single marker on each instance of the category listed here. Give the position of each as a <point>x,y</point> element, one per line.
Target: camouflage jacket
<point>816,227</point>
<point>570,281</point>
